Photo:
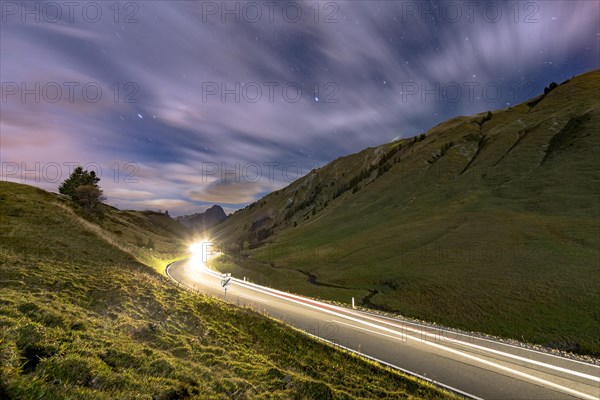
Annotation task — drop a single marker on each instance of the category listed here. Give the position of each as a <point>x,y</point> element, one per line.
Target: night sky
<point>178,104</point>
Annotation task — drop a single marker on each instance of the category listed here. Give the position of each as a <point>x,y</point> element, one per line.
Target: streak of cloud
<point>169,84</point>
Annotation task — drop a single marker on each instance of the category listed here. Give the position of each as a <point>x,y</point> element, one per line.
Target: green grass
<point>82,318</point>
<point>499,234</point>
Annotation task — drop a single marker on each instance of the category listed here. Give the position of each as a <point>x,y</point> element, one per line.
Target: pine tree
<point>78,177</point>
<point>82,186</point>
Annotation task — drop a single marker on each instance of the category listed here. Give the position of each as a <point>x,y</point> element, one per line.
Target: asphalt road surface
<point>474,367</point>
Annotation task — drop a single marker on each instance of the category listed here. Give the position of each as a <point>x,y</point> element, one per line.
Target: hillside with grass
<point>82,317</point>
<point>487,223</point>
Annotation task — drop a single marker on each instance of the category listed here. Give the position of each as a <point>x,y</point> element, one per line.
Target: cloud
<point>227,193</point>
<point>128,194</point>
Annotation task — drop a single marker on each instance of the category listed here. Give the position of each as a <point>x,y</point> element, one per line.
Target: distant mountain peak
<point>203,221</point>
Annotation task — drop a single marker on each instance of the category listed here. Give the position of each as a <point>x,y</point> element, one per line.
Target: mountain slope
<point>486,223</point>
<point>81,318</point>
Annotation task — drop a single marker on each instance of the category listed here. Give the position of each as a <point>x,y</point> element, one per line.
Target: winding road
<point>470,366</point>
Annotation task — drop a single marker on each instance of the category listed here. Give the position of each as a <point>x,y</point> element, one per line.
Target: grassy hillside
<point>485,223</point>
<point>82,318</point>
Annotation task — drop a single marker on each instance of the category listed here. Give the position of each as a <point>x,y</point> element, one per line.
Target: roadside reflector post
<point>353,303</point>
<point>225,282</point>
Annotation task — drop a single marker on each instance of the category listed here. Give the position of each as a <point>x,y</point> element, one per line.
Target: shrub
<point>89,197</point>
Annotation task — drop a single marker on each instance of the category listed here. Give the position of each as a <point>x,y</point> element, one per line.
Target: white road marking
<point>439,346</point>
<point>253,298</point>
<point>369,330</point>
<point>481,360</point>
<point>498,352</point>
<point>541,353</point>
<point>422,332</point>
